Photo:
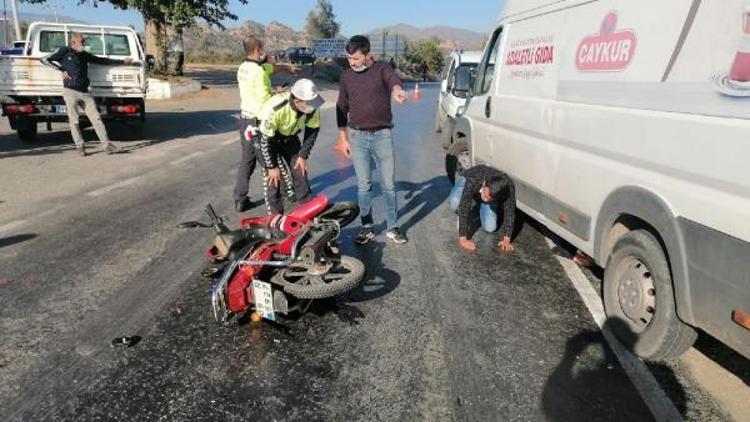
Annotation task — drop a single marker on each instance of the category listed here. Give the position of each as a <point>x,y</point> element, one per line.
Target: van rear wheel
<point>639,299</point>
<point>457,160</point>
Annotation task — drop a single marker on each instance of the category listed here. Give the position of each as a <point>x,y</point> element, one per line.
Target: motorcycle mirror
<point>191,225</point>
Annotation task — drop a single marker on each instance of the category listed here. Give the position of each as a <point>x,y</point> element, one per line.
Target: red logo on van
<point>609,50</point>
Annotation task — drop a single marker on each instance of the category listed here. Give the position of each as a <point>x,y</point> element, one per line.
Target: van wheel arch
<point>633,208</point>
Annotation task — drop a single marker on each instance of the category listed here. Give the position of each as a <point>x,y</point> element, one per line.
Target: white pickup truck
<point>31,92</point>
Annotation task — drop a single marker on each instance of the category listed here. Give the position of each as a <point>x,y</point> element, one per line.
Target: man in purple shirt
<point>364,109</point>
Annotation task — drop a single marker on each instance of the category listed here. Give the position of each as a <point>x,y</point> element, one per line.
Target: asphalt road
<point>433,333</point>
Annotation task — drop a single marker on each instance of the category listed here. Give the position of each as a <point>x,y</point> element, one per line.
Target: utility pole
<point>5,23</point>
<point>385,35</point>
<point>15,19</point>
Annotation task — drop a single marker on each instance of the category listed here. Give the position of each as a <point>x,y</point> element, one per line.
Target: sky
<point>354,16</point>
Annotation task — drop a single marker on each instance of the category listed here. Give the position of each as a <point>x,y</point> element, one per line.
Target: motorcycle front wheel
<point>302,282</point>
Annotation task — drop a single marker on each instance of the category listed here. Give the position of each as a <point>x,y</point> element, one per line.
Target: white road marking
<point>11,226</point>
<point>651,392</point>
<point>229,141</point>
<point>186,158</point>
<point>110,188</point>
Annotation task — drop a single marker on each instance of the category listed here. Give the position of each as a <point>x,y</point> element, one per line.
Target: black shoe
<point>112,149</point>
<point>396,235</point>
<point>366,234</point>
<point>243,205</point>
<point>81,151</point>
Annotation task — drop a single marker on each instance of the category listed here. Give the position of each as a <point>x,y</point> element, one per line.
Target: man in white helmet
<point>282,156</point>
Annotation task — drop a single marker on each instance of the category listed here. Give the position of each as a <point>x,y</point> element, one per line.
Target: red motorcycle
<point>280,263</point>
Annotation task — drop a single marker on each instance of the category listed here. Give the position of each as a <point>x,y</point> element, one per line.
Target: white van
<point>450,98</point>
<point>625,125</point>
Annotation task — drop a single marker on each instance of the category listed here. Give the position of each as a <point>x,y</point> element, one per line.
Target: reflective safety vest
<point>254,80</point>
<point>280,118</point>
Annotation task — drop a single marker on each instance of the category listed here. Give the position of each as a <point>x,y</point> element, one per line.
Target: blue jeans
<point>487,216</point>
<point>377,146</point>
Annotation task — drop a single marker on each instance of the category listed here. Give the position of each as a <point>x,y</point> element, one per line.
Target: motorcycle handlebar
<point>216,221</point>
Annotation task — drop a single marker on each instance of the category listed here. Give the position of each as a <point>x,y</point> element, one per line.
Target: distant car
<point>16,49</point>
<point>452,96</point>
<point>300,55</point>
<point>276,55</point>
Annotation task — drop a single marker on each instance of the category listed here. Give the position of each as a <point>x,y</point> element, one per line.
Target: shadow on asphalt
<point>332,177</point>
<point>586,391</point>
<point>379,280</point>
<point>159,127</point>
<point>13,240</point>
<point>424,198</point>
<point>214,77</point>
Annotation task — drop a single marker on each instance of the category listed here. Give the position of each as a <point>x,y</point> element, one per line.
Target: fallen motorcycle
<point>280,263</point>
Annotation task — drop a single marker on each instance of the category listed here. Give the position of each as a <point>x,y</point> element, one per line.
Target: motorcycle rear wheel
<point>300,283</point>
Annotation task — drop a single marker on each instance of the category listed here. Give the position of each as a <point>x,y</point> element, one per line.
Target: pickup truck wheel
<point>27,130</point>
<point>639,299</point>
<point>457,160</point>
<point>142,108</point>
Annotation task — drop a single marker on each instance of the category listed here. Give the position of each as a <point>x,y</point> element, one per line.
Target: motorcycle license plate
<point>263,297</point>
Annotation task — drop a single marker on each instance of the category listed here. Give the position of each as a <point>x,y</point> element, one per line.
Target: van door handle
<point>488,108</point>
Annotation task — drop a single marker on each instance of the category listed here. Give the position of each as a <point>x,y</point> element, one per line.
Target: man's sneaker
<point>81,151</point>
<point>243,205</point>
<point>112,148</point>
<point>365,235</point>
<point>396,235</point>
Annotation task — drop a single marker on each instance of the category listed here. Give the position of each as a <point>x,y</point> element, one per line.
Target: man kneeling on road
<point>476,198</point>
<point>283,158</point>
<point>73,62</point>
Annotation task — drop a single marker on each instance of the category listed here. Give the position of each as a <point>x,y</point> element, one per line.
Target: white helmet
<point>305,90</point>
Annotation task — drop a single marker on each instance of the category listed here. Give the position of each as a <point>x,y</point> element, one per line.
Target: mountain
<point>450,37</point>
<point>203,40</point>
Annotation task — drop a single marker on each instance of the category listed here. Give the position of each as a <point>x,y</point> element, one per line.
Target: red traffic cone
<point>416,96</point>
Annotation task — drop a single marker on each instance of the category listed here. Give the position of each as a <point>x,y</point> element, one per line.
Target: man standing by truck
<point>73,62</point>
<point>254,80</point>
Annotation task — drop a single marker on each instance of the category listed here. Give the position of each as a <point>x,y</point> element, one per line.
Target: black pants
<point>294,182</point>
<point>247,163</point>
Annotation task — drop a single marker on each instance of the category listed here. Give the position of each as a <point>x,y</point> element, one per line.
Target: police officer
<point>254,79</point>
<point>283,157</point>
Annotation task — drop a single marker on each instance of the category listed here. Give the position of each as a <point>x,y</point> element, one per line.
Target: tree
<point>165,14</point>
<point>321,22</point>
<point>171,11</point>
<point>426,52</point>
